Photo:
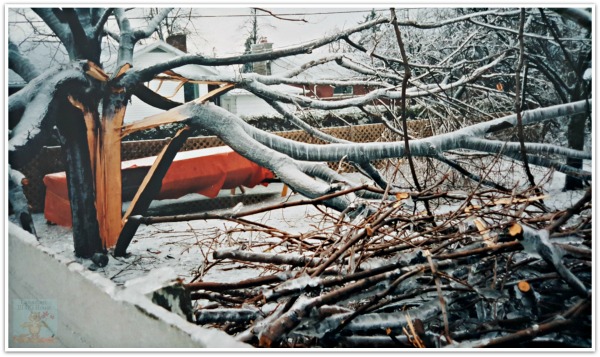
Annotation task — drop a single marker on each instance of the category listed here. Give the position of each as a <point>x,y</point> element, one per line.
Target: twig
<point>277,16</point>
<point>196,216</point>
<point>440,296</point>
<point>578,207</point>
<point>215,286</point>
<point>518,101</point>
<point>288,259</point>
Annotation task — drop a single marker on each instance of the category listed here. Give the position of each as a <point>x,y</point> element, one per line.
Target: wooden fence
<point>50,159</point>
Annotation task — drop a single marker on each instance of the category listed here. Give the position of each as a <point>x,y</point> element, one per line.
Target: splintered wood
<point>396,278</point>
<point>174,115</point>
<point>104,141</point>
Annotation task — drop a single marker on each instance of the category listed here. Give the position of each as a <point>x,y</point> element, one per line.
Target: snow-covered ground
<point>187,246</point>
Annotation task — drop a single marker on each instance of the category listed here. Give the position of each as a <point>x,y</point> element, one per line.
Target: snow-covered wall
<point>88,310</point>
<point>247,105</point>
<point>251,105</point>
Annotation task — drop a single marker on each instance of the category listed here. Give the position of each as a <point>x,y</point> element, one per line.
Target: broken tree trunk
<point>172,116</point>
<point>149,189</point>
<point>108,168</point>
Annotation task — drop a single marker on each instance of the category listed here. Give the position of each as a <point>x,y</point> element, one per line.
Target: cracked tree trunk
<point>108,170</point>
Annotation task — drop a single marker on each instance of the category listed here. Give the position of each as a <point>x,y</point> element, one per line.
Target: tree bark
<point>86,233</point>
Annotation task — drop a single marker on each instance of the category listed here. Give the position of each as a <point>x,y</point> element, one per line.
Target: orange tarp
<point>204,171</point>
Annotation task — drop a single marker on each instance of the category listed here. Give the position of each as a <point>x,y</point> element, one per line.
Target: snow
<point>186,247</point>
<point>587,75</point>
<point>160,253</point>
<point>183,247</point>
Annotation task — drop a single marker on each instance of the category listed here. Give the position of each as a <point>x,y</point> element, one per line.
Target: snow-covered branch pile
<point>488,269</point>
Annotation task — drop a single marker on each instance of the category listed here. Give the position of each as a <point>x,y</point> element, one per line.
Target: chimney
<point>178,41</point>
<point>262,46</point>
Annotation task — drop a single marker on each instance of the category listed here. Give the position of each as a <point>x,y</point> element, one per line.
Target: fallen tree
<point>84,107</point>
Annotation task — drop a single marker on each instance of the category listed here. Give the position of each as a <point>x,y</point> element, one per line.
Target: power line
<point>243,15</point>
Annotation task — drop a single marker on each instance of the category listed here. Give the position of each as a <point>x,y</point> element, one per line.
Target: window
<point>342,90</point>
<point>190,91</point>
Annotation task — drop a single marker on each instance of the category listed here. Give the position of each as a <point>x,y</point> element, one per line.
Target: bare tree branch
<point>152,25</point>
<point>99,27</point>
<point>279,17</point>
<point>21,64</point>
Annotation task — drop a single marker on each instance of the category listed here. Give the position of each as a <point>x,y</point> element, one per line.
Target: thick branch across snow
<point>421,147</point>
<point>280,154</point>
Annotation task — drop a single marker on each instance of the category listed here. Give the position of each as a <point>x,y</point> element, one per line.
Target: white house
<point>158,52</point>
<point>245,104</point>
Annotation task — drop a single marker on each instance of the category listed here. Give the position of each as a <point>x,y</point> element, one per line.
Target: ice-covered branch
<point>59,28</point>
<point>99,26</point>
<point>432,25</point>
<point>38,118</point>
<point>533,148</point>
<point>526,34</point>
<point>21,64</point>
<point>126,39</point>
<point>227,128</point>
<point>582,17</point>
<point>264,91</point>
<point>152,25</point>
<point>428,147</point>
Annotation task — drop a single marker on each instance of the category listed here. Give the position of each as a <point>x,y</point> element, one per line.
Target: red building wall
<point>325,92</point>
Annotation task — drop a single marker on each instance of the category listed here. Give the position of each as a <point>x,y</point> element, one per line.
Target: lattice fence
<point>50,159</point>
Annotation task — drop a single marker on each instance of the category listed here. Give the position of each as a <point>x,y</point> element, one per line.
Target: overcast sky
<point>223,30</point>
<point>227,34</point>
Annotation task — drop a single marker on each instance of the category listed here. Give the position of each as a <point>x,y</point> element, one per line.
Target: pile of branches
<point>493,270</point>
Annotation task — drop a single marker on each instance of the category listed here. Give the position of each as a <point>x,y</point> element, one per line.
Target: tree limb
<point>59,28</point>
<point>21,64</point>
<point>580,16</point>
<point>147,31</point>
<point>38,118</point>
<point>99,26</point>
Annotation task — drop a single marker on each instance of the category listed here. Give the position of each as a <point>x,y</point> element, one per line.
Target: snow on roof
<point>227,71</point>
<point>329,70</point>
<point>160,51</point>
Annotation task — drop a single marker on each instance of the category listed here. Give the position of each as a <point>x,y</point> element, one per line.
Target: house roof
<point>161,51</point>
<point>327,71</point>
